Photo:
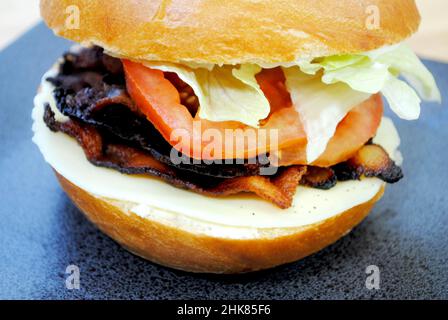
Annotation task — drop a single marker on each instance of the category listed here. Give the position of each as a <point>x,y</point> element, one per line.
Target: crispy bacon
<point>320,178</point>
<point>370,161</point>
<point>288,179</point>
<point>278,189</point>
<point>88,138</point>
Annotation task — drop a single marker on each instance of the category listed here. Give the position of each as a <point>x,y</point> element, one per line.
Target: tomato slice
<point>358,127</point>
<point>159,100</point>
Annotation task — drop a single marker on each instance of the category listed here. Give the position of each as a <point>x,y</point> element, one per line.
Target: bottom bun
<point>197,252</point>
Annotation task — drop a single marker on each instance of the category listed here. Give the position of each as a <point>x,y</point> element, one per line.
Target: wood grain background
<point>17,16</point>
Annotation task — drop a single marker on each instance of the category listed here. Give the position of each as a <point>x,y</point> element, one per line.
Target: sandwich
<point>228,137</point>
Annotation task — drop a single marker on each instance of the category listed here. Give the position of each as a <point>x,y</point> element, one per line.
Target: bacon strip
<point>278,189</point>
<point>370,161</point>
<point>320,178</point>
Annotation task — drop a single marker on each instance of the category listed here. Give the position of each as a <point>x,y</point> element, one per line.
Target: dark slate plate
<point>41,232</point>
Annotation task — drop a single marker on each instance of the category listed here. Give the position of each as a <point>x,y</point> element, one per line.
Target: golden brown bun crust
<point>187,251</point>
<point>239,31</point>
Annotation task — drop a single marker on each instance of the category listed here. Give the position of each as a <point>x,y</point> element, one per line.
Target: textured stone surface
<point>41,232</point>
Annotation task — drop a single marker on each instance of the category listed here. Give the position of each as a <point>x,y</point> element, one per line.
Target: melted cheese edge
<point>239,217</point>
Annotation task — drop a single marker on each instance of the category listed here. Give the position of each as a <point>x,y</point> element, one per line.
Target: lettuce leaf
<point>402,60</point>
<point>376,71</point>
<point>225,93</point>
<point>362,76</point>
<point>402,99</point>
<point>321,107</point>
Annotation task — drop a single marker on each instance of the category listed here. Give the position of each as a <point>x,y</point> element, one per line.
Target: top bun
<point>232,31</point>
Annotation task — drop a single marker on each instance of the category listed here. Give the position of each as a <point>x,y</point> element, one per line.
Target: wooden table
<point>16,16</point>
